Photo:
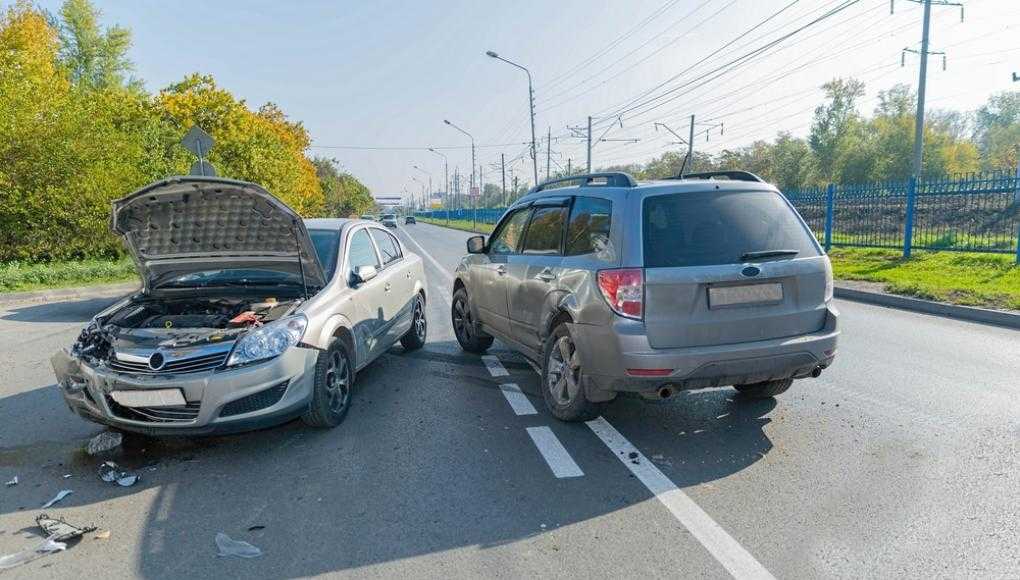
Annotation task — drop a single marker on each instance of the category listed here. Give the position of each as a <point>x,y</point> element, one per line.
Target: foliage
<point>344,194</point>
<point>94,58</point>
<point>18,276</point>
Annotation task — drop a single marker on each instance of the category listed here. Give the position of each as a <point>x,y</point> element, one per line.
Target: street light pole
<point>474,200</point>
<point>446,177</point>
<point>531,104</point>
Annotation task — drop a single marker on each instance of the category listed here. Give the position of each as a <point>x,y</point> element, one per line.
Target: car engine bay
<point>176,323</point>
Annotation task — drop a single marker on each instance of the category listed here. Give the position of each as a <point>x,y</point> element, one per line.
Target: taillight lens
<point>624,290</point>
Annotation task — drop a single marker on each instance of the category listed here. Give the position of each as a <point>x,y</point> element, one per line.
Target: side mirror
<point>476,245</point>
<point>363,274</point>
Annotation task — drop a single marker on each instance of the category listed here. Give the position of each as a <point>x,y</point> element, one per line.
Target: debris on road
<point>105,441</point>
<point>256,528</point>
<point>46,546</point>
<point>102,535</point>
<point>59,530</point>
<point>230,547</point>
<point>60,495</point>
<point>111,473</point>
<point>67,476</point>
<point>12,482</point>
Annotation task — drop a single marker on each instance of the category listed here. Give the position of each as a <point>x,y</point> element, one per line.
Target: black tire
<point>563,380</point>
<point>465,327</point>
<point>415,337</point>
<point>334,381</point>
<point>764,390</point>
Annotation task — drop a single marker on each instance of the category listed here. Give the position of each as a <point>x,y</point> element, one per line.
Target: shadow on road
<point>71,311</point>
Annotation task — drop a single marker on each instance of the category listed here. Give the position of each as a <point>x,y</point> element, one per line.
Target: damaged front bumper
<point>216,401</point>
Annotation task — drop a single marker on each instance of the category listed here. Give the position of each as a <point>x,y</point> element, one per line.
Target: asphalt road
<point>899,461</point>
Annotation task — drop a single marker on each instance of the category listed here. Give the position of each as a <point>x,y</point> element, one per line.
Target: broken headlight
<point>268,341</point>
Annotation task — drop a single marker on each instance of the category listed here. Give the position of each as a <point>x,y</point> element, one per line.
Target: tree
<point>833,121</point>
<point>997,131</point>
<point>344,194</point>
<point>94,58</point>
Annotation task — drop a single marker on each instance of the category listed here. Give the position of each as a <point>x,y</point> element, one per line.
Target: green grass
<point>21,276</point>
<point>987,280</point>
<point>460,225</point>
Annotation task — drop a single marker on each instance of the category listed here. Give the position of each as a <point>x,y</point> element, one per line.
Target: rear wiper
<point>767,254</point>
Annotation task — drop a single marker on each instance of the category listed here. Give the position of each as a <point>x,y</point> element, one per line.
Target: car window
<point>325,243</point>
<point>508,238</point>
<point>588,231</point>
<point>701,229</point>
<point>545,232</point>
<point>389,249</point>
<point>361,252</point>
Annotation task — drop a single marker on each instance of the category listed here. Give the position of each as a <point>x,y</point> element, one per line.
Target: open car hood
<point>188,224</point>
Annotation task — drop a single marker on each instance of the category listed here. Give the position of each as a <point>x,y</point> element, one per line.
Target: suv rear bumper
<point>607,351</point>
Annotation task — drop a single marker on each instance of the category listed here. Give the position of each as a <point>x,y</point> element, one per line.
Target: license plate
<point>723,296</point>
<point>154,398</point>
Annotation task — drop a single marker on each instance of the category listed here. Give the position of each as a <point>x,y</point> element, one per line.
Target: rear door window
<point>388,246</point>
<point>508,238</point>
<point>708,228</point>
<point>588,230</point>
<point>545,232</point>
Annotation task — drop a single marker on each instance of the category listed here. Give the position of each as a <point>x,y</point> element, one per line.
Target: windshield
<point>326,243</point>
<point>702,229</point>
<point>389,216</point>
<point>231,277</point>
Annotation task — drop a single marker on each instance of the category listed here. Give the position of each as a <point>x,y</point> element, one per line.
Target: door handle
<point>501,270</point>
<point>546,275</point>
<point>386,287</point>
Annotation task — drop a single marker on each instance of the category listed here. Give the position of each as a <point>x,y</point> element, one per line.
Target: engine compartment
<point>177,322</point>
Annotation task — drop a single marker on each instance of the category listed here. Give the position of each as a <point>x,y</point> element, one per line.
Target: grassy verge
<point>987,280</point>
<point>460,225</point>
<point>20,276</point>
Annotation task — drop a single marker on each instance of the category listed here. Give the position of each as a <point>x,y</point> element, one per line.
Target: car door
<point>532,274</point>
<point>369,297</point>
<point>399,289</point>
<point>488,274</point>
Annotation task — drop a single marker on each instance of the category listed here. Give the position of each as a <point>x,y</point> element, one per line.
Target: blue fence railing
<point>974,213</point>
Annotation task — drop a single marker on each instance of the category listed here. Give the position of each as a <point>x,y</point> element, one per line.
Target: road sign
<point>198,142</point>
<point>203,167</point>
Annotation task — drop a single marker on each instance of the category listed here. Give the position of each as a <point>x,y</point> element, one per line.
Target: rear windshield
<point>703,229</point>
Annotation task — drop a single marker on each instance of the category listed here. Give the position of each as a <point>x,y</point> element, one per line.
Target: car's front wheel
<point>764,390</point>
<point>563,379</point>
<point>465,328</point>
<point>331,393</point>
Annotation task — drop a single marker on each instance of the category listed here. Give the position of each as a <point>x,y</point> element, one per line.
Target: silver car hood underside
<point>188,224</point>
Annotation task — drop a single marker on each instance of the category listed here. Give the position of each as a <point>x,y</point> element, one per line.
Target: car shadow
<point>66,311</point>
<point>404,476</point>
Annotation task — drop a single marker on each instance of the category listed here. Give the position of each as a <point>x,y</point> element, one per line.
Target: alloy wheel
<point>338,381</point>
<point>563,378</point>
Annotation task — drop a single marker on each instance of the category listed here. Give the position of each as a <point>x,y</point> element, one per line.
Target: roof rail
<point>612,179</point>
<point>734,174</point>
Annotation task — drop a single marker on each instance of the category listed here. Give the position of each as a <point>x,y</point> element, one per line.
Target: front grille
<point>179,414</point>
<point>255,401</point>
<point>177,367</point>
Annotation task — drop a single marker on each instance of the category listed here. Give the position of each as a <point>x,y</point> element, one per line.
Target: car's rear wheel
<point>764,390</point>
<point>563,379</point>
<point>331,393</point>
<point>465,328</point>
<point>415,336</point>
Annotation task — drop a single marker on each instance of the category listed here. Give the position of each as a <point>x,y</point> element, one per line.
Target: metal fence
<point>973,213</point>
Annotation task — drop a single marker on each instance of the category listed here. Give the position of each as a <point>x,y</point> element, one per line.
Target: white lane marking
<point>495,367</point>
<point>737,561</point>
<point>554,453</point>
<point>519,402</point>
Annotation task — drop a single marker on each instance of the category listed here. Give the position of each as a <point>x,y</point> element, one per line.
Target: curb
<point>56,294</point>
<point>970,313</point>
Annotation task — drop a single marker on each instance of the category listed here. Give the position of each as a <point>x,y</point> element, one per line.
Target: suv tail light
<point>624,290</point>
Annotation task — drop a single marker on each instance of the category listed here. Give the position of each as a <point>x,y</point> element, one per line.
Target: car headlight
<point>268,341</point>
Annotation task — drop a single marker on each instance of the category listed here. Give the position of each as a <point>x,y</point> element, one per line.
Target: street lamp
<point>446,177</point>
<point>474,200</point>
<point>422,183</point>
<point>430,182</point>
<point>531,104</point>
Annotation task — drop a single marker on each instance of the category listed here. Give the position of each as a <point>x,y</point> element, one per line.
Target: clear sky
<point>385,74</point>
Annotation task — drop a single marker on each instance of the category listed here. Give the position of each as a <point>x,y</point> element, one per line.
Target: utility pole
<point>548,153</point>
<point>502,163</point>
<point>568,167</point>
<point>589,143</point>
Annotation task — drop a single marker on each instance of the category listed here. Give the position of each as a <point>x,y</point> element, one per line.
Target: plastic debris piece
<point>238,548</point>
<point>111,473</point>
<point>103,442</point>
<point>67,476</point>
<point>256,528</point>
<point>45,546</point>
<point>102,535</point>
<point>12,482</point>
<point>59,530</point>
<point>60,495</point>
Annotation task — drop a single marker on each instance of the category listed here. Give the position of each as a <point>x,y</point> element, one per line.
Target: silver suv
<point>617,286</point>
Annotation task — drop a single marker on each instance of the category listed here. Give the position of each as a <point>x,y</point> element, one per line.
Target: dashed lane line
<point>519,402</point>
<point>727,551</point>
<point>554,453</point>
<point>495,367</point>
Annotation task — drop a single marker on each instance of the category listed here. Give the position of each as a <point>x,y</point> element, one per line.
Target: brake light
<point>624,290</point>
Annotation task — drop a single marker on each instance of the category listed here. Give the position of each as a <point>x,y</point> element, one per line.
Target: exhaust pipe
<point>816,373</point>
<point>665,392</point>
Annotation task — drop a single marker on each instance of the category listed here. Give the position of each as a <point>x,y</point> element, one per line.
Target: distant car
<point>244,326</point>
<point>618,286</point>
<point>410,220</point>
<point>368,216</point>
<point>389,220</point>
